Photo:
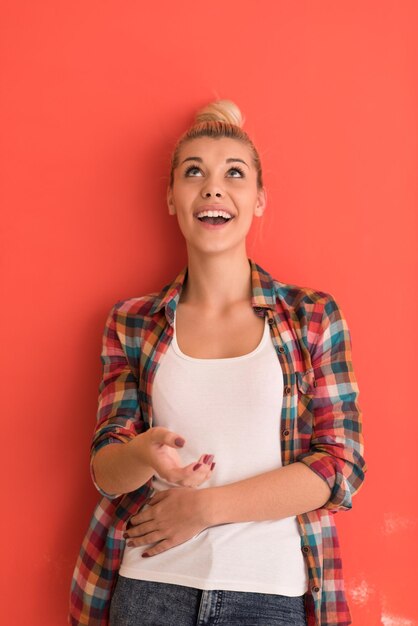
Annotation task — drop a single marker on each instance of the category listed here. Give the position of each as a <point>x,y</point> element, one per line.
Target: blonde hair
<point>221,118</point>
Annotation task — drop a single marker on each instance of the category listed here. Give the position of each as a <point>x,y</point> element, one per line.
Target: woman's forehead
<point>214,148</point>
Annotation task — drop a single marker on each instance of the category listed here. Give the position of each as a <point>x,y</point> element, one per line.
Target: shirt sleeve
<point>336,451</point>
<point>118,414</point>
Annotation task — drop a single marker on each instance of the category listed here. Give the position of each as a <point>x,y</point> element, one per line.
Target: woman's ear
<point>170,201</point>
<point>261,202</point>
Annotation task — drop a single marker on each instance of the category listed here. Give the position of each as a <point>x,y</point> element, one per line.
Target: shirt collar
<point>262,285</point>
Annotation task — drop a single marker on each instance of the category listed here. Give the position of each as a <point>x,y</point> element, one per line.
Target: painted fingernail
<point>179,442</point>
<point>212,466</point>
<point>209,459</point>
<point>196,467</point>
<point>145,554</point>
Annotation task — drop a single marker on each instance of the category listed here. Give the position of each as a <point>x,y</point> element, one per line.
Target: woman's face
<point>215,193</point>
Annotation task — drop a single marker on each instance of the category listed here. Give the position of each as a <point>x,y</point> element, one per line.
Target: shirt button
<point>285,433</point>
<point>281,349</point>
<point>287,390</point>
<point>270,321</point>
<point>306,549</point>
<point>315,589</point>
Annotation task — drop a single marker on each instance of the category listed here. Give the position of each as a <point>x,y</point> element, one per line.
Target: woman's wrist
<point>122,468</point>
<point>208,505</point>
<point>138,456</point>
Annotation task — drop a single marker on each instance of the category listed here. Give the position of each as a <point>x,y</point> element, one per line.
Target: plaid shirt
<point>320,426</point>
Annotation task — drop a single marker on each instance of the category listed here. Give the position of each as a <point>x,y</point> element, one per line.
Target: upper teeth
<point>214,214</point>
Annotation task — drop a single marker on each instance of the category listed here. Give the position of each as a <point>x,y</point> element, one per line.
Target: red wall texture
<point>93,96</point>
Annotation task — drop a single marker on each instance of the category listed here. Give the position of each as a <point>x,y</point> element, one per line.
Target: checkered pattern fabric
<point>320,426</point>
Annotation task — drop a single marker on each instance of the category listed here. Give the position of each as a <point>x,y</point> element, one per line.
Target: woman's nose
<point>209,194</point>
<point>211,190</point>
<point>212,187</point>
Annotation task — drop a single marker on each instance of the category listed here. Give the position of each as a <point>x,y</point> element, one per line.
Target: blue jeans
<point>146,603</point>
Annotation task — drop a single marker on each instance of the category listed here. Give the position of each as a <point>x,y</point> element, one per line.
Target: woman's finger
<point>178,474</point>
<point>140,529</point>
<point>145,540</point>
<point>161,546</point>
<point>203,463</point>
<point>160,435</point>
<point>190,475</point>
<point>157,497</point>
<point>197,473</point>
<point>144,515</point>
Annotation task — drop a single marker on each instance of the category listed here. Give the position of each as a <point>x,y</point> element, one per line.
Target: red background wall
<point>93,96</point>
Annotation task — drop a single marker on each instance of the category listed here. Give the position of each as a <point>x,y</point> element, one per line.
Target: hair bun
<point>220,111</point>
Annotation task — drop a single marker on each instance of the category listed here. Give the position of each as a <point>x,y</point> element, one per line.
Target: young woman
<point>233,401</point>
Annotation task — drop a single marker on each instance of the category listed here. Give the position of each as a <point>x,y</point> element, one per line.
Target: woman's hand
<point>172,517</point>
<point>158,446</point>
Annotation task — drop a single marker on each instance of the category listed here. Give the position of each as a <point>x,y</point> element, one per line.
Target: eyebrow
<point>200,160</point>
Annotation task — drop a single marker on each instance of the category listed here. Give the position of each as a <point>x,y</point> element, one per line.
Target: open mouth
<point>214,220</point>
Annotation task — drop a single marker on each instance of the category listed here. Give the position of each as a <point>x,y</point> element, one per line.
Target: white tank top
<point>230,408</point>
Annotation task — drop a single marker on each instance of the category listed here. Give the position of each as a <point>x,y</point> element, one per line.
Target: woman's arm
<point>273,495</point>
<point>336,451</point>
<point>124,454</point>
<point>176,515</point>
<point>124,468</point>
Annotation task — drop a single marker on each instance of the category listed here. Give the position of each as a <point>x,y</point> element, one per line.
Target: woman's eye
<point>236,172</point>
<point>233,172</point>
<point>193,171</point>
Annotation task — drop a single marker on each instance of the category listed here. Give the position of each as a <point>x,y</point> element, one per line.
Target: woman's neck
<point>217,281</point>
